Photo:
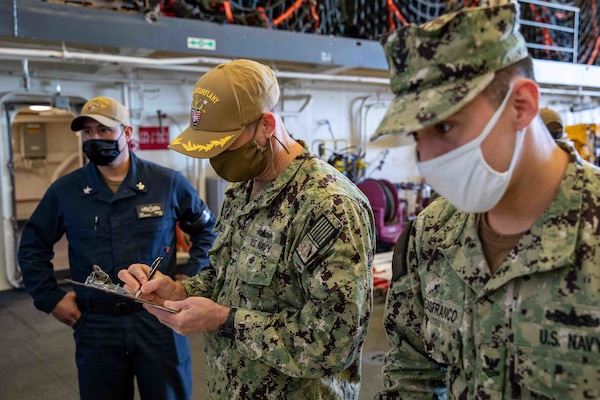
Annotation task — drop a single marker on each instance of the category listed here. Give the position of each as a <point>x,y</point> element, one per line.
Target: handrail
<point>572,30</point>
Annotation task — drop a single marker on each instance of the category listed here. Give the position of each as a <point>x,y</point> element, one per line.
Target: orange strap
<point>594,54</point>
<point>393,9</point>
<point>315,15</point>
<point>228,12</point>
<point>288,13</point>
<point>547,38</point>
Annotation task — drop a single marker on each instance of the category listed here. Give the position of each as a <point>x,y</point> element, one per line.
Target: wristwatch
<point>227,330</point>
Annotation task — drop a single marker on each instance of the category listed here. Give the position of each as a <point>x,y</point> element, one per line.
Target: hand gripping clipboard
<point>99,280</point>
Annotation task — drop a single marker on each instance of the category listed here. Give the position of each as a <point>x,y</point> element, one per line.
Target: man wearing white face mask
<point>495,289</point>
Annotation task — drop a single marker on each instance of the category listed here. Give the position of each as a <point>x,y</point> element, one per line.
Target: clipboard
<point>99,280</point>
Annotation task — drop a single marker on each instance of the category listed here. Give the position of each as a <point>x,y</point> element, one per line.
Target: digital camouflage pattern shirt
<point>297,262</point>
<point>529,331</point>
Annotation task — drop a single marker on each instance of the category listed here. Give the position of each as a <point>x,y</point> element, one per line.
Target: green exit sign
<point>201,44</point>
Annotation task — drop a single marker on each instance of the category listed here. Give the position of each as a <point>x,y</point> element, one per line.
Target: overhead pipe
<point>183,64</point>
<point>64,54</point>
<point>15,19</point>
<point>167,64</point>
<point>570,92</point>
<point>26,79</point>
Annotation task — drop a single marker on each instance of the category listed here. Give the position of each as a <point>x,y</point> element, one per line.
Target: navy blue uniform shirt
<point>113,230</point>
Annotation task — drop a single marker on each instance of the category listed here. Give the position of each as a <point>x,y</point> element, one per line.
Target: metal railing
<point>546,29</point>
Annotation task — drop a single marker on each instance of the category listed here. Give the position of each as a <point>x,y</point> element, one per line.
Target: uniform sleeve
<point>43,229</point>
<point>207,283</point>
<point>332,251</point>
<point>408,373</point>
<point>201,284</point>
<point>195,219</point>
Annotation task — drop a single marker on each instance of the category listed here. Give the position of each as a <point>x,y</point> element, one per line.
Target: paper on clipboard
<point>99,280</point>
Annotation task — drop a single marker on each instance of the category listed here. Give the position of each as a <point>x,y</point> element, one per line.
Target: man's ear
<point>526,94</point>
<point>267,123</point>
<point>128,132</point>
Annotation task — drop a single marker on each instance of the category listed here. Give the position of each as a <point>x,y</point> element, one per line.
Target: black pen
<point>153,268</point>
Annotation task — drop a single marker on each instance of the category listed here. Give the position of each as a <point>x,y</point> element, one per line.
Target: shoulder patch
<point>325,229</point>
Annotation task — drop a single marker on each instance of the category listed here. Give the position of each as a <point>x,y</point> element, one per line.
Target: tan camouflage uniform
<point>296,261</point>
<point>530,331</point>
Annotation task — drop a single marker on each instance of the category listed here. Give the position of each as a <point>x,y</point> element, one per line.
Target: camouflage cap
<point>225,100</point>
<point>440,66</point>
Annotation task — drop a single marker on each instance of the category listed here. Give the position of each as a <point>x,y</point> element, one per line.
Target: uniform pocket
<point>79,323</point>
<point>442,341</point>
<point>256,269</point>
<point>557,375</point>
<point>87,240</point>
<point>148,226</point>
<point>152,236</point>
<point>559,357</point>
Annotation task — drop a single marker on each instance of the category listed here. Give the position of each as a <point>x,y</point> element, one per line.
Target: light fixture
<point>39,108</point>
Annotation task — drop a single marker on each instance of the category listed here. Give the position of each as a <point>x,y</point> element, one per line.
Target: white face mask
<point>463,176</point>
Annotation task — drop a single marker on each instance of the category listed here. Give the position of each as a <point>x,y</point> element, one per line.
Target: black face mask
<point>102,151</point>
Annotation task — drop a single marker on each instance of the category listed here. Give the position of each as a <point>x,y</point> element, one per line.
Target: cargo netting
<point>560,30</point>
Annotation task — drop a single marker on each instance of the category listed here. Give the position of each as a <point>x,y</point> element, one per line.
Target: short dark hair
<point>497,89</point>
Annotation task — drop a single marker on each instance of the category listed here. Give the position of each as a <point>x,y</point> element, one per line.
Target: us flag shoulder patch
<point>325,229</point>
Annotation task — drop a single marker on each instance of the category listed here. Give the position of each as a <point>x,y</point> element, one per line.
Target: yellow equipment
<point>584,139</point>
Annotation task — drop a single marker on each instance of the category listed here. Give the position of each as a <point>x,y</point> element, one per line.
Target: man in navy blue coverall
<point>116,210</point>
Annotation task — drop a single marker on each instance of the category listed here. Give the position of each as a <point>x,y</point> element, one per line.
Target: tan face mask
<point>242,164</point>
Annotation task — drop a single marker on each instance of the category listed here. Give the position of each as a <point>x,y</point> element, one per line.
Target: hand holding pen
<point>153,268</point>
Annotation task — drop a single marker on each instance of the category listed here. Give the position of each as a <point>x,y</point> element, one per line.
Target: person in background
<point>579,139</point>
<point>115,211</point>
<point>497,295</point>
<point>553,122</point>
<point>286,300</point>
